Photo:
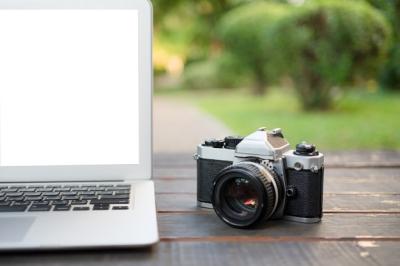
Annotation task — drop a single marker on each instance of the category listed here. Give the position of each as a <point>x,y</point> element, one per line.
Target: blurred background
<point>325,71</point>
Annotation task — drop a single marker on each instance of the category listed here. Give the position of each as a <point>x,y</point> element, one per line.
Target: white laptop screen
<point>69,87</point>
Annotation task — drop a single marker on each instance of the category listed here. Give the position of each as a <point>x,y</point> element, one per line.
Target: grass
<point>360,120</point>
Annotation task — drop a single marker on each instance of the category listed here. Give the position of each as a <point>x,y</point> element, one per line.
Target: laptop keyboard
<point>62,198</point>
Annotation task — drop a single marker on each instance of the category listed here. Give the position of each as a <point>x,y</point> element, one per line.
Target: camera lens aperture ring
<point>244,182</point>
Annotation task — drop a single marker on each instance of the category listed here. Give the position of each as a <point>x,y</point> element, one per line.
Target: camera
<point>253,179</point>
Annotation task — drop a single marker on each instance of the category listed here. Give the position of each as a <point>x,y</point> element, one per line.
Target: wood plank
<point>333,203</point>
<point>332,159</point>
<point>372,203</point>
<point>333,227</point>
<point>333,184</point>
<point>223,253</point>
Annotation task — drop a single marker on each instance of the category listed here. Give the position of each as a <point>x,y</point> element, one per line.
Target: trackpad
<point>14,229</point>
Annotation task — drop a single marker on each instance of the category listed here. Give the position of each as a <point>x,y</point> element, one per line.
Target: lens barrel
<point>245,194</point>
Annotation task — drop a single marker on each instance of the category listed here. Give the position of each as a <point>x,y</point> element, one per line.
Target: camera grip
<point>307,200</point>
<point>207,170</point>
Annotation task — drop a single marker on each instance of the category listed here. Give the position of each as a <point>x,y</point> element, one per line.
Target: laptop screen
<point>69,87</point>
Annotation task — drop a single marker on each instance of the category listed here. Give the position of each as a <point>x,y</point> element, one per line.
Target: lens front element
<point>240,195</point>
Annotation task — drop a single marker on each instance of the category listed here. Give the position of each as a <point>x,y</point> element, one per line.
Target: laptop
<point>75,124</point>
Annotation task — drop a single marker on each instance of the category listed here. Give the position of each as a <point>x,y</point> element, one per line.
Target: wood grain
<point>333,226</point>
<point>361,223</point>
<point>333,184</point>
<point>223,253</point>
<point>333,203</point>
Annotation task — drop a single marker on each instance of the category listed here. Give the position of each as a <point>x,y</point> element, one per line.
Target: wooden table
<point>361,223</point>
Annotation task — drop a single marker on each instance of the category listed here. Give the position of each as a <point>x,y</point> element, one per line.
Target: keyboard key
<point>105,186</point>
<point>14,194</point>
<point>21,203</point>
<point>87,193</point>
<point>120,208</point>
<point>70,198</point>
<point>33,194</point>
<point>104,193</point>
<point>79,202</point>
<point>61,189</point>
<point>97,189</point>
<point>12,208</point>
<point>27,190</point>
<point>5,203</point>
<point>39,208</point>
<point>44,190</point>
<point>120,188</point>
<point>124,185</point>
<point>62,208</point>
<point>53,186</point>
<point>36,186</point>
<point>89,186</point>
<point>33,198</point>
<point>52,198</point>
<point>60,202</point>
<point>102,207</point>
<point>71,186</point>
<point>122,192</point>
<point>109,201</point>
<point>81,208</point>
<point>124,196</point>
<point>39,202</point>
<point>15,198</point>
<point>17,186</point>
<point>10,190</point>
<point>51,193</point>
<point>85,197</point>
<point>71,193</point>
<point>79,189</point>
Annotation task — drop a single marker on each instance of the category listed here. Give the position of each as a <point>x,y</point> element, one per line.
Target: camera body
<point>260,172</point>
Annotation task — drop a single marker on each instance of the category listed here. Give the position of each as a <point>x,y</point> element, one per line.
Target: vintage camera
<point>256,178</point>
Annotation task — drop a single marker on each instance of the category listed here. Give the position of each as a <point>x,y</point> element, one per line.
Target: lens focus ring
<point>271,184</point>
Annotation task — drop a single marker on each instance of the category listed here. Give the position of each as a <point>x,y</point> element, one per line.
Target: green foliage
<point>186,26</point>
<point>221,72</point>
<point>320,45</point>
<point>360,121</point>
<point>242,32</point>
<point>328,44</point>
<point>390,75</point>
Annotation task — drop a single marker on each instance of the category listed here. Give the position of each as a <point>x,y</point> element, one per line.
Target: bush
<point>320,45</point>
<point>390,75</point>
<point>223,71</point>
<point>242,33</point>
<point>327,44</point>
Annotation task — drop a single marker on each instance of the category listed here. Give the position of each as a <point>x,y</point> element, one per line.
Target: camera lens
<point>245,194</point>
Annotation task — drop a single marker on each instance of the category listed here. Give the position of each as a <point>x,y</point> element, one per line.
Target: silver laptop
<point>75,124</point>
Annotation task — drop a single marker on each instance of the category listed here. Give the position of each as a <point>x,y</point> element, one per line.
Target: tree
<point>328,44</point>
<point>390,75</point>
<point>242,32</point>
